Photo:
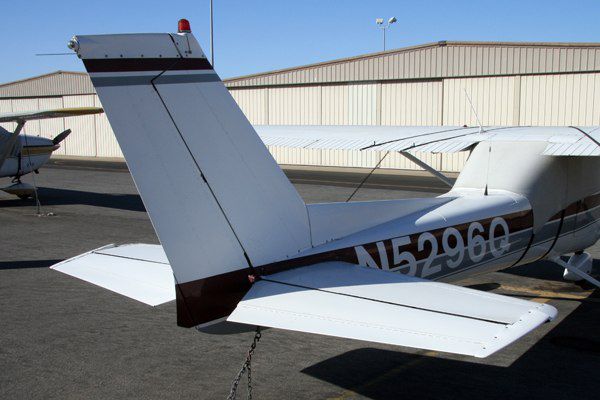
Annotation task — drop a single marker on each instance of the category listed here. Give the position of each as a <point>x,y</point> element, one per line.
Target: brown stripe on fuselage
<point>146,64</point>
<point>590,202</point>
<point>37,150</point>
<point>579,206</point>
<point>516,222</point>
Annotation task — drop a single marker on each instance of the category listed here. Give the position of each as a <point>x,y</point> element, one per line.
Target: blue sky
<point>257,36</point>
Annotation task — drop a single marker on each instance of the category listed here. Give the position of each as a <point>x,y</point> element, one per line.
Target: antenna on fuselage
<point>487,174</point>
<point>474,110</point>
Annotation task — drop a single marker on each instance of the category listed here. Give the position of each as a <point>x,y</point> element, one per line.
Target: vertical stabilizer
<point>218,201</point>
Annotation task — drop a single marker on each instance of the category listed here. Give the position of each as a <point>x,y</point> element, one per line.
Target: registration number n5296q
<point>404,254</point>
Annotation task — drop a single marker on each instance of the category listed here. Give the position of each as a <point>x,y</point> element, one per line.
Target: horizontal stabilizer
<point>344,300</point>
<point>139,271</point>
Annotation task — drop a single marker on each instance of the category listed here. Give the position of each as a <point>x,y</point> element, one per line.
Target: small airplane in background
<point>23,154</point>
<point>240,245</point>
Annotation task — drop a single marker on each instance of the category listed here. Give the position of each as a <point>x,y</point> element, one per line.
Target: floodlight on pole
<point>379,21</point>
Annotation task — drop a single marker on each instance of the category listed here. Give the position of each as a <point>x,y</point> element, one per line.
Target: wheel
<point>24,196</point>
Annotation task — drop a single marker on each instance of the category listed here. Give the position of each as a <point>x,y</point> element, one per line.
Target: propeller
<point>61,136</point>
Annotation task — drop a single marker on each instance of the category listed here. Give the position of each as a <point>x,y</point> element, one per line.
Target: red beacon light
<point>183,26</point>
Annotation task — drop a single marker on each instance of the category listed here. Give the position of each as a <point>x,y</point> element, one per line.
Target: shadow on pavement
<point>27,264</point>
<point>549,271</point>
<point>561,365</point>
<point>377,181</point>
<point>544,269</point>
<point>53,197</point>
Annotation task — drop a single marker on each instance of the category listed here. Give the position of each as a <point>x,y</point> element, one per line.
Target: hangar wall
<point>541,100</point>
<point>91,135</point>
<point>509,83</point>
<point>547,100</point>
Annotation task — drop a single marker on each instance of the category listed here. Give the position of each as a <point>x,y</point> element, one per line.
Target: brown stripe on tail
<point>210,299</point>
<point>146,64</point>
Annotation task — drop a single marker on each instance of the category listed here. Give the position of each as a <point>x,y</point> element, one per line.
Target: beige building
<point>509,84</point>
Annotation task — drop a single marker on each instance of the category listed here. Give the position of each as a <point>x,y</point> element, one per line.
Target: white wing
<point>561,141</point>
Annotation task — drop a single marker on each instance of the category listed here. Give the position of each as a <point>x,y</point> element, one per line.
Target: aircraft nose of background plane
<point>38,141</point>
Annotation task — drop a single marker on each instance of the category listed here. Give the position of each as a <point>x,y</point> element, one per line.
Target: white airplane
<point>23,154</point>
<point>243,247</point>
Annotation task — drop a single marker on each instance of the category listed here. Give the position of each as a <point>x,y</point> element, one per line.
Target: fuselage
<point>30,153</point>
<point>470,234</point>
<point>526,207</point>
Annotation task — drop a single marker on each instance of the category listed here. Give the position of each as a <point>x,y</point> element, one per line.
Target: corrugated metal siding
<point>362,104</point>
<point>295,106</point>
<point>59,83</point>
<point>6,107</point>
<point>254,103</point>
<point>82,140</point>
<point>335,105</point>
<point>49,128</point>
<point>560,100</point>
<point>350,104</point>
<point>31,127</point>
<point>106,141</point>
<point>414,103</point>
<point>495,100</point>
<point>453,162</point>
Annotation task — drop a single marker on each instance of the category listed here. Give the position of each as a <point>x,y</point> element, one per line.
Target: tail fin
<point>218,201</point>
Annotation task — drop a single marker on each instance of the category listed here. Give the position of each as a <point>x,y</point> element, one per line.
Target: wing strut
<point>576,271</point>
<point>586,135</point>
<point>367,177</point>
<point>428,168</point>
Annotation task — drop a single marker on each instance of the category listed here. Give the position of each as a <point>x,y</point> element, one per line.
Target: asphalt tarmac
<point>62,338</point>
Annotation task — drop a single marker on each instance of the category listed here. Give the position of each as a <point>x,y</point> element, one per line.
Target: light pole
<point>379,21</point>
<point>212,48</point>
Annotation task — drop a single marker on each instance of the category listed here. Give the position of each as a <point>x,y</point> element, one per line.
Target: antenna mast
<point>474,110</point>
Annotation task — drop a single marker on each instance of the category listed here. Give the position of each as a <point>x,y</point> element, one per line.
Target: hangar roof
<point>59,83</point>
<point>443,59</point>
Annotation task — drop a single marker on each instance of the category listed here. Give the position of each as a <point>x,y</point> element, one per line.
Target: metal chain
<point>246,366</point>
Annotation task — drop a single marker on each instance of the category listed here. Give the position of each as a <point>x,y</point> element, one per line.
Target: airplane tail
<point>221,207</point>
<point>218,201</point>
